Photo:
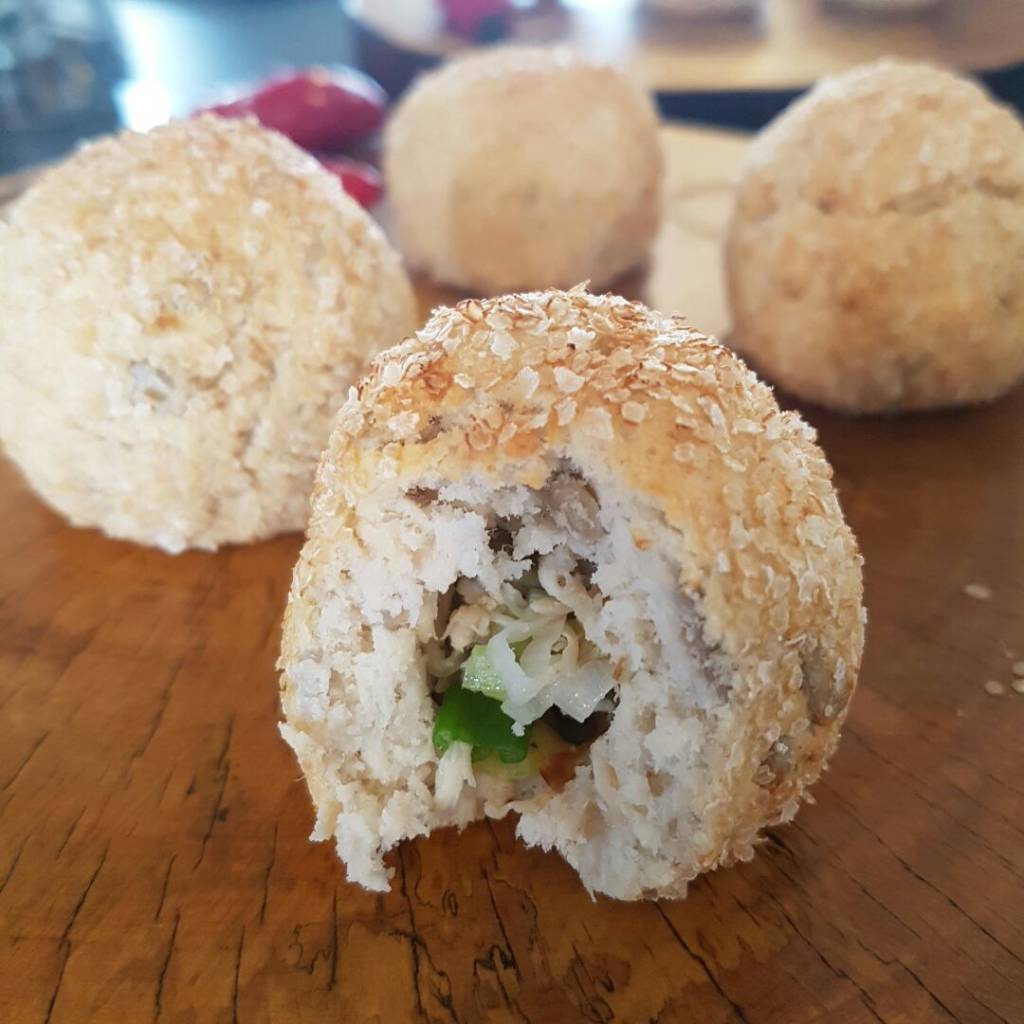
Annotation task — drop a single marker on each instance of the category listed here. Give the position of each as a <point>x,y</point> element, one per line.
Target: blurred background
<point>70,69</point>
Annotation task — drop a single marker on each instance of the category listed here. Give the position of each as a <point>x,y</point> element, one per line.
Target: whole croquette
<point>875,251</point>
<point>523,168</point>
<point>183,313</point>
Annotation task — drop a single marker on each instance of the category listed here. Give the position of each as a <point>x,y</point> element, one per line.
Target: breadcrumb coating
<point>874,251</point>
<point>524,168</point>
<point>183,312</point>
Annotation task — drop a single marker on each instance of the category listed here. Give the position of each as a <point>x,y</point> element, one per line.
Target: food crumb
<point>1018,668</point>
<point>1018,685</point>
<point>994,687</point>
<point>634,412</point>
<point>978,591</point>
<point>566,381</point>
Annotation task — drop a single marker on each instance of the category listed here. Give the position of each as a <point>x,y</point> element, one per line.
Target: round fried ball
<point>524,167</point>
<point>875,251</point>
<point>653,484</point>
<point>183,312</point>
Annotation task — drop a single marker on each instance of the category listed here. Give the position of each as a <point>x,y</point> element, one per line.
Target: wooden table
<point>153,855</point>
<point>789,45</point>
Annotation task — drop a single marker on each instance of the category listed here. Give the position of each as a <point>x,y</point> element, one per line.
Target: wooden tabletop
<point>788,45</point>
<point>154,864</point>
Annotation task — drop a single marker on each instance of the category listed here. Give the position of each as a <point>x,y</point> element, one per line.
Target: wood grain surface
<point>154,864</point>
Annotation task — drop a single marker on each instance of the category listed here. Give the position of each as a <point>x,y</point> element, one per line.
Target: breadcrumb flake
<point>527,379</point>
<point>634,412</point>
<point>566,381</point>
<point>503,345</point>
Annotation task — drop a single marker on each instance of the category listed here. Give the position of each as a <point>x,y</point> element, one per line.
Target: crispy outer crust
<point>183,312</point>
<point>524,168</point>
<point>671,419</point>
<point>873,258</point>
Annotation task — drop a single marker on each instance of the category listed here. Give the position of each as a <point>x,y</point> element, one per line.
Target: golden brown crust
<point>872,258</point>
<point>679,419</point>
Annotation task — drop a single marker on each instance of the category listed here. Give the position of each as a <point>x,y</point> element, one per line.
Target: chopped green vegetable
<point>469,717</point>
<point>480,674</point>
<point>546,748</point>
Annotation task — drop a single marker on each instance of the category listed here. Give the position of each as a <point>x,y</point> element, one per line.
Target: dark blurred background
<point>70,69</point>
